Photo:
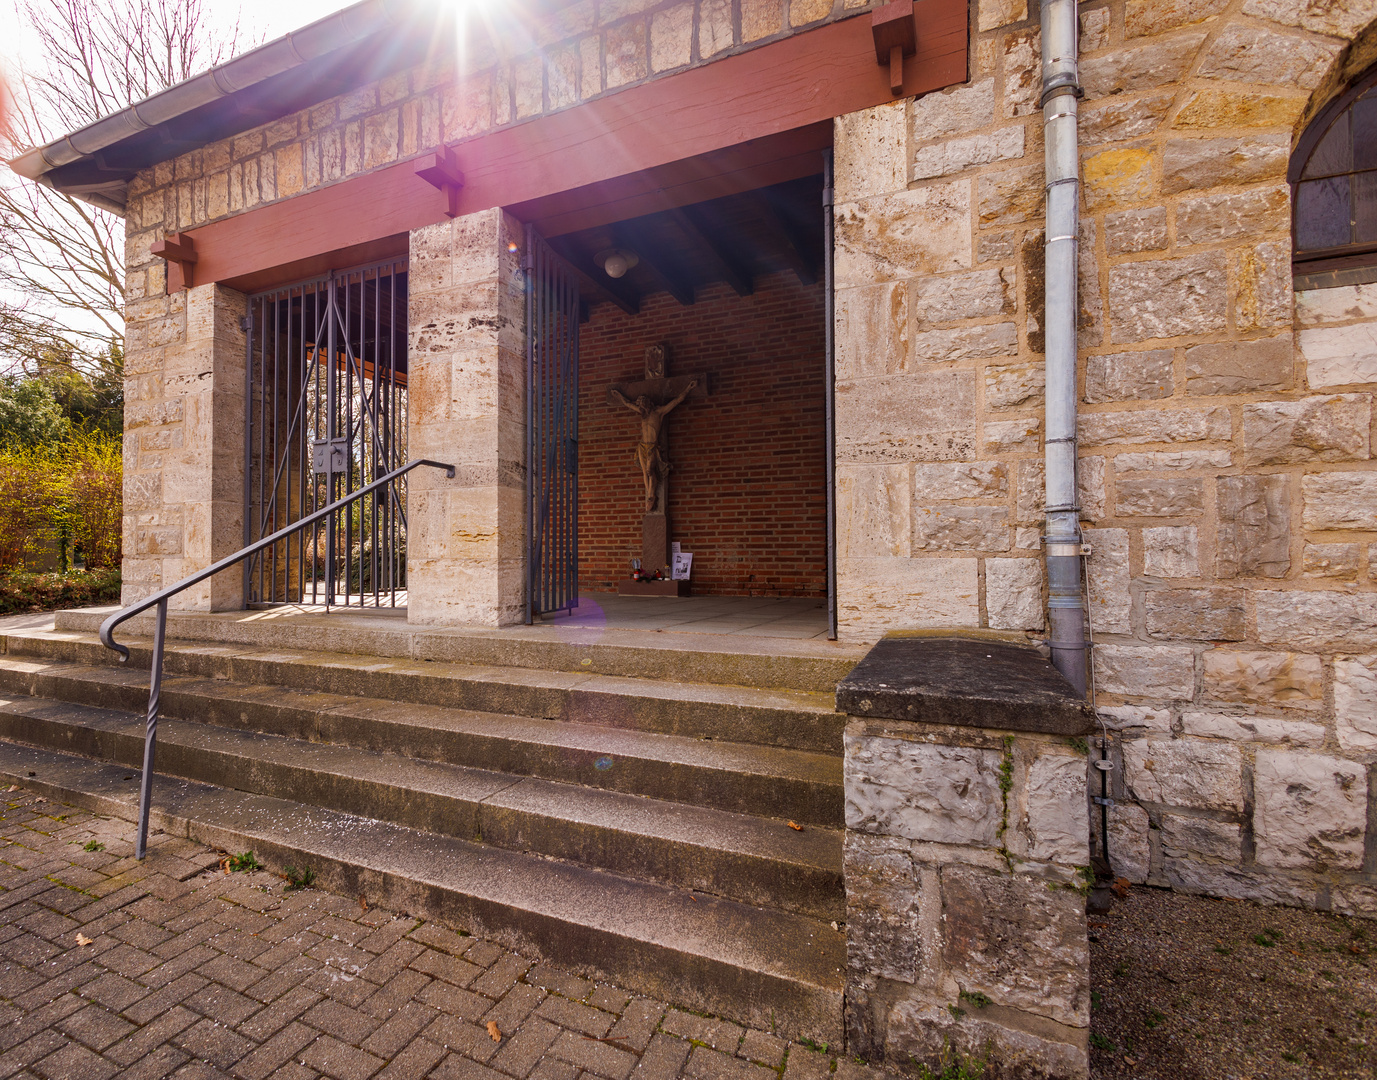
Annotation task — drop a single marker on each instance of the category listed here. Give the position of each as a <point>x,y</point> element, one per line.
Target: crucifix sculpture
<point>650,455</point>
<point>653,399</point>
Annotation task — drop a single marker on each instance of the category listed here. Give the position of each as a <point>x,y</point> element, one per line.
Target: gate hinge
<point>246,323</point>
<point>1102,800</point>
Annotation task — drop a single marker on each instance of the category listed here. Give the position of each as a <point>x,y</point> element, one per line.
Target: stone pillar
<point>466,391</point>
<point>184,448</point>
<point>966,858</point>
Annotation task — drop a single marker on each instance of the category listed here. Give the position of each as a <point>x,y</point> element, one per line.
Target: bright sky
<point>265,19</point>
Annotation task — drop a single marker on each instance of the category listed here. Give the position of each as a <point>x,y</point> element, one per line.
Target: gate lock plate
<point>329,456</point>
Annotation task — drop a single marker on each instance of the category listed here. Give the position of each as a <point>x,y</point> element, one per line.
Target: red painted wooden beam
<point>793,83</point>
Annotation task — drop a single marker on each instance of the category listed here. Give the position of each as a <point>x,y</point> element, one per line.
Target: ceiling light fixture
<point>615,262</point>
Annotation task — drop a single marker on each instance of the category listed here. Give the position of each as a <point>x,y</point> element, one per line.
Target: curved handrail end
<point>107,630</point>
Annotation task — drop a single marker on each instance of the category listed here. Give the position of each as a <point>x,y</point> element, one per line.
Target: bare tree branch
<point>62,260</point>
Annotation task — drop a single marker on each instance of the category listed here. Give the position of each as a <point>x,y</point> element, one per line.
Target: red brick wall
<point>747,493</point>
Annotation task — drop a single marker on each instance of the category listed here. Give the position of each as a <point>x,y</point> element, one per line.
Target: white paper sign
<point>683,564</point>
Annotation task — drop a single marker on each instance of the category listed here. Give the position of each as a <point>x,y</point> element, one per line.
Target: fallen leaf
<point>1130,1061</point>
<point>13,787</point>
<point>494,1031</point>
<point>362,902</point>
<point>82,939</point>
<point>795,826</point>
<point>1120,888</point>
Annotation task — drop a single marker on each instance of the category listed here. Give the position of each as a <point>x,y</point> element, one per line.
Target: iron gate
<point>552,426</point>
<point>327,415</point>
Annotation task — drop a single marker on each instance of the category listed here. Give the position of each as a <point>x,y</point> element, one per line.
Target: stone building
<point>1226,358</point>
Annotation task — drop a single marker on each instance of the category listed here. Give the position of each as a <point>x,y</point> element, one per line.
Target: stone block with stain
<point>966,825</point>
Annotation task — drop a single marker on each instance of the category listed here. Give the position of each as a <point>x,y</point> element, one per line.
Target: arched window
<point>1333,178</point>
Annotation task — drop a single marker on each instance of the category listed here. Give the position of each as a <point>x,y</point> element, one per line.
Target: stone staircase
<point>665,815</point>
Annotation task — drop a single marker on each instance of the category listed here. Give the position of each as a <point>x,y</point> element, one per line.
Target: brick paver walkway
<point>172,967</point>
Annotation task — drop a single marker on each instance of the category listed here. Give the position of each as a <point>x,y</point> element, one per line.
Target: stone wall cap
<point>970,679</point>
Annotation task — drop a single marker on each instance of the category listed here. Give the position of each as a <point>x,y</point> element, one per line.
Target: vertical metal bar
<point>150,737</point>
<point>829,413</point>
<point>248,446</point>
<point>573,316</point>
<point>528,277</point>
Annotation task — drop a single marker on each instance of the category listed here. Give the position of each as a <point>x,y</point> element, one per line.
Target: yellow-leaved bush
<point>62,501</point>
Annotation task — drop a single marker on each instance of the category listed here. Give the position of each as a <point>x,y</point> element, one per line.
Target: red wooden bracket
<point>896,36</point>
<point>441,170</point>
<point>180,253</point>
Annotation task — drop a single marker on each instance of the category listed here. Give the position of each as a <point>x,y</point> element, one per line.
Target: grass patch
<point>299,879</point>
<point>93,845</point>
<point>244,862</point>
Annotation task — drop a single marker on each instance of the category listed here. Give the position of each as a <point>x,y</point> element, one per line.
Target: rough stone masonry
<point>965,857</point>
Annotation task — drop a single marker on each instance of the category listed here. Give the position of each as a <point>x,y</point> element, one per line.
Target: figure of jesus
<point>649,454</point>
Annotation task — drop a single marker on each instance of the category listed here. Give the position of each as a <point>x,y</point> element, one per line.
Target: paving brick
<point>718,1034</point>
<point>337,929</point>
<point>438,937</point>
<point>387,934</point>
<point>413,1062</point>
<point>275,1052</point>
<point>594,1055</point>
<point>468,1039</point>
<point>552,1069</point>
<point>213,1042</point>
<point>394,959</point>
<point>443,966</point>
<point>145,1039</point>
<point>705,1064</point>
<point>114,991</point>
<point>762,1047</point>
<point>558,981</point>
<point>294,973</point>
<point>520,1053</point>
<point>571,1014</point>
<point>75,1062</point>
<point>95,1026</point>
<point>265,1023</point>
<point>500,977</point>
<point>520,1002</point>
<point>144,1010</point>
<point>398,990</point>
<point>451,999</point>
<point>345,1023</point>
<point>640,1017</point>
<point>399,1029</point>
<point>329,1055</point>
<point>611,999</point>
<point>222,1004</point>
<point>663,1058</point>
<point>347,989</point>
<point>155,1065</point>
<point>236,974</point>
<point>805,1064</point>
<point>30,1050</point>
<point>458,1067</point>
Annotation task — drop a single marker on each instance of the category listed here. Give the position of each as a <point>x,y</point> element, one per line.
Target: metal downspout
<point>1062,543</point>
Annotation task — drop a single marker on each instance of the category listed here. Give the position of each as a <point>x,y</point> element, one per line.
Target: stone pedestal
<point>654,542</point>
<point>966,858</point>
<point>467,406</point>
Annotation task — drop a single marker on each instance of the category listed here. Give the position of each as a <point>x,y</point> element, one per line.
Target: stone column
<point>466,378</point>
<point>184,449</point>
<point>966,858</point>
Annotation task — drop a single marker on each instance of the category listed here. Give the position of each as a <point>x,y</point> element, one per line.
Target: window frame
<point>1337,263</point>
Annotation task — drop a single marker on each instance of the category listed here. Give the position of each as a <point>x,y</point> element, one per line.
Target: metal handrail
<point>159,600</point>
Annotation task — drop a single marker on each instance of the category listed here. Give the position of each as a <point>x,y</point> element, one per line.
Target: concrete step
<point>727,659</point>
<point>754,860</point>
<point>741,778</point>
<point>793,719</point>
<point>765,968</point>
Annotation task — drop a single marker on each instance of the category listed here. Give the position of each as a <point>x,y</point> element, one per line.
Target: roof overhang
<point>367,41</point>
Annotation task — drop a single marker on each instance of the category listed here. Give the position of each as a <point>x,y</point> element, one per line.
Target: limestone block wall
<point>1226,473</point>
<point>183,442</point>
<point>966,928</point>
<point>580,52</point>
<point>467,407</point>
